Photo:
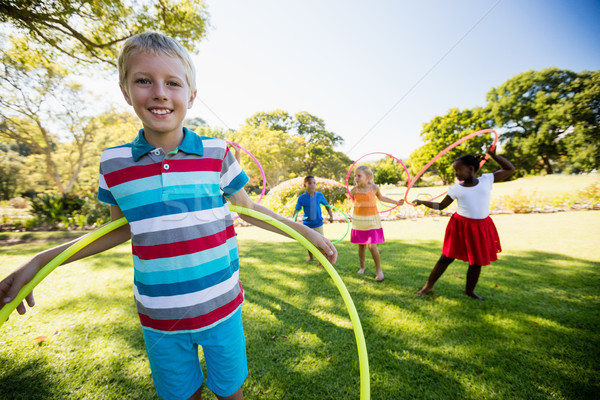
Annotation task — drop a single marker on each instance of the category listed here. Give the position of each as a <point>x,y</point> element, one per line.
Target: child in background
<point>366,224</point>
<point>172,186</point>
<point>471,235</point>
<point>310,202</point>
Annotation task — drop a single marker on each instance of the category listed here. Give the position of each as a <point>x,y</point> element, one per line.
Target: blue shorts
<point>176,367</point>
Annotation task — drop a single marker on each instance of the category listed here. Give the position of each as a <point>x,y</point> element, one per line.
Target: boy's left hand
<point>400,202</point>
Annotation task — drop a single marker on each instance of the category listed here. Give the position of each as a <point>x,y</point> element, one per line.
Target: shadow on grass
<point>534,337</point>
<point>98,353</point>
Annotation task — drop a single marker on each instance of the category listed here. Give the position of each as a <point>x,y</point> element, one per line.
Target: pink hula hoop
<point>262,172</point>
<point>440,154</point>
<point>368,154</point>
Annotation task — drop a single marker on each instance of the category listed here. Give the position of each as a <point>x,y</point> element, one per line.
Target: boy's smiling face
<point>158,91</point>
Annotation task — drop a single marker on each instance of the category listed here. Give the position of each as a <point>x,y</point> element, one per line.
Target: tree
<point>317,155</point>
<point>37,102</point>
<point>532,108</point>
<point>11,164</point>
<point>319,149</point>
<point>444,130</point>
<point>582,139</point>
<point>388,171</point>
<point>194,123</point>
<point>276,120</point>
<point>93,31</point>
<point>277,151</point>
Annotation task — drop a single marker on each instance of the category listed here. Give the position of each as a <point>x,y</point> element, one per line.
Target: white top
<point>474,201</point>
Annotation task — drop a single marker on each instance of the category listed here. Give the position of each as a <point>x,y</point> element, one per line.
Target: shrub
<point>590,195</point>
<point>55,208</point>
<point>19,202</point>
<point>68,211</point>
<point>282,198</point>
<point>518,203</point>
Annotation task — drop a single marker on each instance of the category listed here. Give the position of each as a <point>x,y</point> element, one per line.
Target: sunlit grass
<point>535,336</point>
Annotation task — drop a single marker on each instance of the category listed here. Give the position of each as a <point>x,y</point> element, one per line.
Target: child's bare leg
<point>437,271</point>
<point>472,277</point>
<point>197,395</point>
<point>377,259</point>
<point>362,248</point>
<point>239,395</point>
<point>310,257</point>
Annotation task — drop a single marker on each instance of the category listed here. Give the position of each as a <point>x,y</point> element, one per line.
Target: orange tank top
<point>365,204</point>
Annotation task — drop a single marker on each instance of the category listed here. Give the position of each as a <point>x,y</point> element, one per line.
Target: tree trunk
<point>547,165</point>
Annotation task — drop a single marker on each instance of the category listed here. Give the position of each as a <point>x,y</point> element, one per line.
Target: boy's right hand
<point>417,202</point>
<point>12,284</point>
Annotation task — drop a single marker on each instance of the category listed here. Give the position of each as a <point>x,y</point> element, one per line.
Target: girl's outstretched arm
<point>507,168</point>
<point>386,199</point>
<point>435,205</point>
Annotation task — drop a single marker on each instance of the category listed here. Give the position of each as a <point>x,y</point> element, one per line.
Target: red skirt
<point>475,241</point>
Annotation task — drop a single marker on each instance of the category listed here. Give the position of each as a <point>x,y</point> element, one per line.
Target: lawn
<point>535,336</point>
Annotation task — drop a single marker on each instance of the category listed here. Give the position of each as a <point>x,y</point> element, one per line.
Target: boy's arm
<point>330,214</point>
<point>240,198</point>
<point>10,286</point>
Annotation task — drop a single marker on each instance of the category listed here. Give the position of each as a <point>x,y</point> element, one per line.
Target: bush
<point>68,211</point>
<point>282,198</point>
<point>19,202</point>
<point>590,195</point>
<point>55,208</point>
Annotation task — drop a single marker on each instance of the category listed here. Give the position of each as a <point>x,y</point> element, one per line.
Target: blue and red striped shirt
<point>185,255</point>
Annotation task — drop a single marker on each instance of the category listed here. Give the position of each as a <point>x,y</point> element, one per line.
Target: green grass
<point>535,337</point>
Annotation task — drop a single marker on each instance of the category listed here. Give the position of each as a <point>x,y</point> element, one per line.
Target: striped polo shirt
<point>185,255</point>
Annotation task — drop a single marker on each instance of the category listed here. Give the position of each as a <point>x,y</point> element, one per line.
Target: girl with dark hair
<point>471,235</point>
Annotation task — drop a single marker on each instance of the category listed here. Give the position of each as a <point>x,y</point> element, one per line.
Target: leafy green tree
<point>444,130</point>
<point>582,139</point>
<point>319,148</point>
<point>93,31</point>
<point>41,108</point>
<point>11,165</point>
<point>388,171</point>
<point>277,151</point>
<point>533,110</point>
<point>317,155</point>
<point>194,123</point>
<point>277,120</point>
<point>111,128</point>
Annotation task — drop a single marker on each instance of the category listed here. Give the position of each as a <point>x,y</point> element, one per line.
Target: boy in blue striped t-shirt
<point>172,186</point>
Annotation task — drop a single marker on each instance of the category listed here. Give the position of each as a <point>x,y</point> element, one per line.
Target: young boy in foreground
<point>172,187</point>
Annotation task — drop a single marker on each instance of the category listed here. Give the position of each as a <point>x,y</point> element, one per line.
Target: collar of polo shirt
<point>191,144</point>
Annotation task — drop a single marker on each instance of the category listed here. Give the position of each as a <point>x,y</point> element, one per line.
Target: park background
<point>308,89</point>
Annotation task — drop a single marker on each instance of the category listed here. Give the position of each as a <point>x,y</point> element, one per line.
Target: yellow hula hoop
<point>363,359</point>
<point>56,261</point>
<point>92,236</point>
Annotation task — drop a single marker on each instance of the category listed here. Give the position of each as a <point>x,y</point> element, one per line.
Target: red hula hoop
<point>440,154</point>
<point>262,172</point>
<point>368,154</point>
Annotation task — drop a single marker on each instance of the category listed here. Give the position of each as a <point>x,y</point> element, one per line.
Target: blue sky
<point>376,71</point>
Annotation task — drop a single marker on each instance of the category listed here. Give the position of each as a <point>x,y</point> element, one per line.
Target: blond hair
<point>155,43</point>
<point>366,170</point>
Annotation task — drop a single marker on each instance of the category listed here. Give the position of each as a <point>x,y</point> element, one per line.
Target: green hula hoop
<point>335,208</point>
<point>92,236</point>
<point>56,261</point>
